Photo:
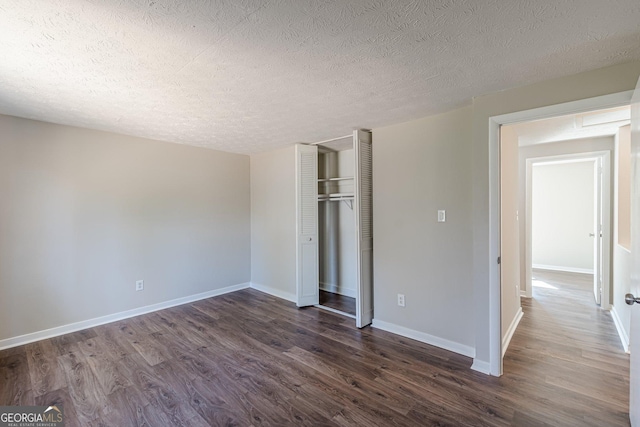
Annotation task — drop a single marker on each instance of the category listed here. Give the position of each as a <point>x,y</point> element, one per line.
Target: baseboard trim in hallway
<point>512,329</point>
<point>624,338</point>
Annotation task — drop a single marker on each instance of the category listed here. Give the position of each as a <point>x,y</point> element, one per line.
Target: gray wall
<point>273,222</point>
<point>418,168</point>
<point>84,214</point>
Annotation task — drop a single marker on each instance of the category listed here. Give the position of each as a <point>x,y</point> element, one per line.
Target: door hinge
<point>498,260</point>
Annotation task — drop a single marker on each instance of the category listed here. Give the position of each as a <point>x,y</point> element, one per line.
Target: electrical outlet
<point>139,285</point>
<point>401,300</point>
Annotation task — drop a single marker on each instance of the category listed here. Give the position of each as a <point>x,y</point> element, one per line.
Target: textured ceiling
<point>246,76</point>
<point>573,126</point>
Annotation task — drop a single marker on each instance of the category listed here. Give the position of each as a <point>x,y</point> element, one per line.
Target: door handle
<point>630,299</point>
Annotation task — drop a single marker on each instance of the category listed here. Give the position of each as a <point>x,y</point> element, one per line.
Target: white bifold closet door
<point>307,248</point>
<point>307,267</point>
<point>363,210</point>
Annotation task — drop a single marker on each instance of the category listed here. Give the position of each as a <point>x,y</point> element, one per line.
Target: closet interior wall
<point>336,223</point>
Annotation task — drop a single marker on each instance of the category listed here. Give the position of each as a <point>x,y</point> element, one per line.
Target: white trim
<point>512,329</point>
<point>523,294</point>
<point>334,289</point>
<point>562,268</point>
<point>481,366</point>
<point>455,347</point>
<point>572,107</point>
<point>619,246</point>
<point>333,310</point>
<point>331,140</point>
<point>97,321</point>
<point>273,291</point>
<point>624,338</point>
<point>579,106</point>
<point>495,295</point>
<point>528,212</point>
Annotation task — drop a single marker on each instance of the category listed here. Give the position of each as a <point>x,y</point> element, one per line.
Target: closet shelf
<point>335,196</point>
<point>335,179</point>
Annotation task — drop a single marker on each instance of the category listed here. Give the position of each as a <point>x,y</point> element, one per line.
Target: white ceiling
<point>574,126</point>
<point>247,76</point>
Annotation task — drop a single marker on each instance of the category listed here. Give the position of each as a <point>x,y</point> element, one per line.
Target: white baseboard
<point>512,329</point>
<point>562,268</point>
<point>481,366</point>
<point>425,338</point>
<point>337,290</point>
<point>624,337</point>
<point>97,321</point>
<point>273,291</point>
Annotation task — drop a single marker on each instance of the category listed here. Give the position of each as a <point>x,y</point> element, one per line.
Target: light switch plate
<point>442,216</point>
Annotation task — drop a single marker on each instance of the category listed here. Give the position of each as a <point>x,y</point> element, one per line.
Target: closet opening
<point>336,226</point>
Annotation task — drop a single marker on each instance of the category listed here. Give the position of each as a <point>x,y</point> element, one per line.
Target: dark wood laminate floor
<point>247,358</point>
<point>338,302</point>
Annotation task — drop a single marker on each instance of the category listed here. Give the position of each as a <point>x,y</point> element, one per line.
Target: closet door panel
<point>363,210</point>
<point>307,272</point>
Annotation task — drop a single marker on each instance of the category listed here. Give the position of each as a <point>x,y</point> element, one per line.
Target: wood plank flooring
<point>567,355</point>
<point>249,359</point>
<point>338,302</point>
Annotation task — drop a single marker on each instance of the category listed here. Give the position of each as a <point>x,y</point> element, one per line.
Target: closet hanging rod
<point>332,139</point>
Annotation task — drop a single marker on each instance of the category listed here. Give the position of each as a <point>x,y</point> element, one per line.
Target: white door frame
<point>573,107</point>
<point>605,158</point>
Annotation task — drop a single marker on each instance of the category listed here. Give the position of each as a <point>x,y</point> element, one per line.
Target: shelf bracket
<point>349,203</point>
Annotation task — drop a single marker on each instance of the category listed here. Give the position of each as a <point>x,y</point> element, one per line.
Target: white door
<point>307,270</point>
<point>634,333</point>
<point>363,209</point>
<point>597,231</point>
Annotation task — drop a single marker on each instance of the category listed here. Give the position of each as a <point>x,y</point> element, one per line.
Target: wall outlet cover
<point>401,301</point>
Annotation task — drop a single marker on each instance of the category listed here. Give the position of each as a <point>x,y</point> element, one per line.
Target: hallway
<point>566,356</point>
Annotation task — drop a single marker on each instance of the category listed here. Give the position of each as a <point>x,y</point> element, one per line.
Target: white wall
<point>599,82</point>
<point>273,222</point>
<point>418,168</point>
<point>563,206</point>
<point>84,214</point>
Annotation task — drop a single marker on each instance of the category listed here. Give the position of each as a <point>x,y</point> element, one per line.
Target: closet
<point>334,256</point>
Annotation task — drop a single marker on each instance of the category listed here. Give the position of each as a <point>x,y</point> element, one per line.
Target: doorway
<point>495,123</point>
<point>564,195</point>
<point>336,227</point>
<point>568,218</point>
